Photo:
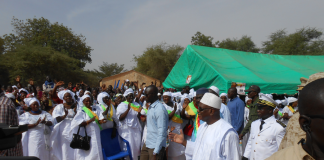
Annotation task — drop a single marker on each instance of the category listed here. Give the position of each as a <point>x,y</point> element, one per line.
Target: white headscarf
<point>87,92</point>
<point>224,94</point>
<point>279,102</point>
<point>285,101</point>
<point>62,93</point>
<point>167,94</point>
<point>84,97</point>
<point>176,94</point>
<point>101,96</point>
<point>14,86</point>
<point>24,90</point>
<point>192,93</point>
<point>292,99</point>
<point>29,101</point>
<point>118,94</point>
<point>185,96</point>
<point>247,98</point>
<point>78,93</point>
<point>128,91</point>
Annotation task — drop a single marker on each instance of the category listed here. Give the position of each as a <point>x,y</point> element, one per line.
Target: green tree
<point>200,39</point>
<point>305,41</point>
<point>244,44</point>
<point>1,45</point>
<point>158,60</point>
<point>91,78</point>
<point>35,61</point>
<point>42,32</point>
<point>107,70</point>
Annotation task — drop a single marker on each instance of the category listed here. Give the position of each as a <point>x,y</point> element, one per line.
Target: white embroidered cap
<point>211,100</point>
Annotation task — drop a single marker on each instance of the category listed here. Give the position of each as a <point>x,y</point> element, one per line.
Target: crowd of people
<point>160,123</point>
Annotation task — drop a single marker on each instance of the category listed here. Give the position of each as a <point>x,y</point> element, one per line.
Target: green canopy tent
<point>209,66</point>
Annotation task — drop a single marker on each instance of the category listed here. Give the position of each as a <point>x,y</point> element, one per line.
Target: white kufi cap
<point>211,100</point>
<point>215,89</point>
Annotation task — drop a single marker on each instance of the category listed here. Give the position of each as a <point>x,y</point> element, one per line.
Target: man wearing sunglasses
<point>216,138</point>
<point>311,120</point>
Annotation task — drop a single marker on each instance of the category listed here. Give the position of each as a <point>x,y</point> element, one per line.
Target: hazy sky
<point>119,29</point>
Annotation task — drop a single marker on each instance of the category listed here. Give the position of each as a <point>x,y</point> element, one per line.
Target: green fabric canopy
<point>220,67</point>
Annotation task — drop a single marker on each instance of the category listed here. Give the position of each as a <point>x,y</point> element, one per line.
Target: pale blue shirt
<point>226,113</point>
<point>157,125</point>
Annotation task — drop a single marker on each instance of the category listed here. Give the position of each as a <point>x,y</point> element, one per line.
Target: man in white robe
<point>216,139</point>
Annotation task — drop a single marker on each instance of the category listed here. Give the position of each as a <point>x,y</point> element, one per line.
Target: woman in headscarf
<point>224,98</point>
<point>248,102</point>
<point>278,112</point>
<point>87,92</point>
<point>23,94</point>
<point>290,109</point>
<point>36,140</point>
<point>129,128</point>
<point>185,100</point>
<point>61,138</point>
<point>107,109</point>
<point>119,98</point>
<point>175,151</point>
<point>89,118</point>
<point>80,102</point>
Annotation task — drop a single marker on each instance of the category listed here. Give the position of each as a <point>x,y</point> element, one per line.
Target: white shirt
<point>108,124</point>
<point>214,142</point>
<point>262,144</point>
<point>287,110</point>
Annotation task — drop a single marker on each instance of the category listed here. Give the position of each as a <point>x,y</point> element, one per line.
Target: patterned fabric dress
<point>8,115</point>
